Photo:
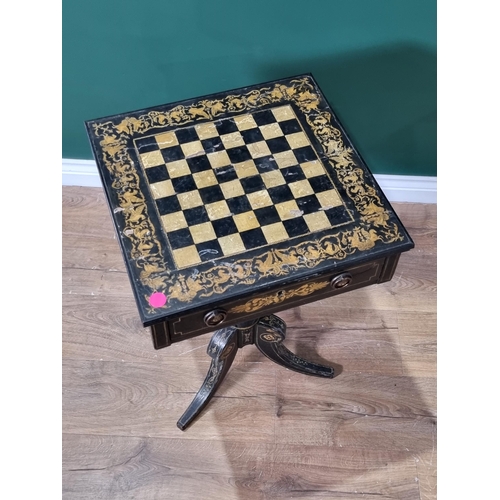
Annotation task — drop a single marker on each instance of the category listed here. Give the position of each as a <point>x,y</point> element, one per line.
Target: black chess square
<point>226,126</point>
<point>198,164</point>
<point>157,174</point>
<point>305,154</point>
<point>337,215</point>
<point>173,153</point>
<point>224,227</point>
<point>320,183</point>
<point>184,184</point>
<point>211,194</point>
<point>308,204</point>
<point>266,164</point>
<point>280,194</point>
<point>278,145</point>
<point>290,126</point>
<point>252,135</point>
<point>180,239</point>
<point>196,215</point>
<point>212,144</point>
<point>264,117</point>
<point>239,154</point>
<point>253,238</point>
<point>296,227</point>
<point>293,174</point>
<point>186,135</point>
<point>252,184</point>
<point>225,174</point>
<point>267,215</point>
<point>239,205</point>
<point>209,250</point>
<point>168,205</point>
<point>146,145</point>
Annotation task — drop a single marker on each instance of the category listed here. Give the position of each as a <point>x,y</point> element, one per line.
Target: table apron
<point>273,300</point>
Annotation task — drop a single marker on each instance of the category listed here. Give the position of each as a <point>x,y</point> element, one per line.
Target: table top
<point>225,195</point>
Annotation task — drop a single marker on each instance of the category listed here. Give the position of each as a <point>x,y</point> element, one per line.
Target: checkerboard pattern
<point>237,184</point>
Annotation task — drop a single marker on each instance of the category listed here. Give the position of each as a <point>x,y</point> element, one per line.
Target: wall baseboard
<point>397,188</point>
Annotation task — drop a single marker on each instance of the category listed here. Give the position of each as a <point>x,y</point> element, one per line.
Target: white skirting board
<point>397,188</point>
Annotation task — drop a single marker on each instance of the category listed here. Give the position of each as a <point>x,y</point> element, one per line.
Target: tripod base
<point>268,334</point>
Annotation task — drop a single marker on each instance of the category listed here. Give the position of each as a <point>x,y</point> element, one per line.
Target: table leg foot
<point>222,349</point>
<point>270,332</point>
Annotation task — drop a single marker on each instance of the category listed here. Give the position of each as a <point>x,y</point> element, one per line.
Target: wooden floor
<point>269,433</point>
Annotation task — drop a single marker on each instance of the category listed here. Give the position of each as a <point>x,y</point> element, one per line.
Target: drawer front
<point>271,301</point>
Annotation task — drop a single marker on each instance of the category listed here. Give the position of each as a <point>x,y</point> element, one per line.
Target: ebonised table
<point>233,206</point>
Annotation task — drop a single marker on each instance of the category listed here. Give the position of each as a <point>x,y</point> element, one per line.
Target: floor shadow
<point>385,97</point>
<point>374,414</point>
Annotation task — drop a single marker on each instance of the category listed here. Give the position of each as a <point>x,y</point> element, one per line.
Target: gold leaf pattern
<point>277,298</point>
<point>146,249</point>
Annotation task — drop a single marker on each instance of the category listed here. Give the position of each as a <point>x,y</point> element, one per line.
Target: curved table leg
<point>270,332</point>
<point>222,349</point>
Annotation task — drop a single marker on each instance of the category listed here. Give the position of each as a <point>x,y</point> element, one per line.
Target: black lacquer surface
<point>223,197</point>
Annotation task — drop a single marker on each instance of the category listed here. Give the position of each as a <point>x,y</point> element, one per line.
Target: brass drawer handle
<point>215,317</point>
<point>341,281</point>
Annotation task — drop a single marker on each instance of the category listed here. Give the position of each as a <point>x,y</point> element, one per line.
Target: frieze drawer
<point>293,295</point>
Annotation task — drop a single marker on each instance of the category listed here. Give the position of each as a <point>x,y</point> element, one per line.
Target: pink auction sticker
<point>157,299</point>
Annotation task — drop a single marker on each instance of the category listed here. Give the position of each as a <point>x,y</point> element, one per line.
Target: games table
<point>231,207</point>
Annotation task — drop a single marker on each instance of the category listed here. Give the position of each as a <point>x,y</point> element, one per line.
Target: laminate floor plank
<point>133,399</point>
<point>94,251</point>
<point>120,467</point>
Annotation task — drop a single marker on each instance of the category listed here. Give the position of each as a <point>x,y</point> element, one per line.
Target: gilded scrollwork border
<point>258,303</point>
<point>146,248</point>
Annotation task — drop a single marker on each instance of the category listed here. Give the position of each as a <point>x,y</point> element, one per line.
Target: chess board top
<point>225,195</point>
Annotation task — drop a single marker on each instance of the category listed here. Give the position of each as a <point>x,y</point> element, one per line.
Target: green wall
<point>374,59</point>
